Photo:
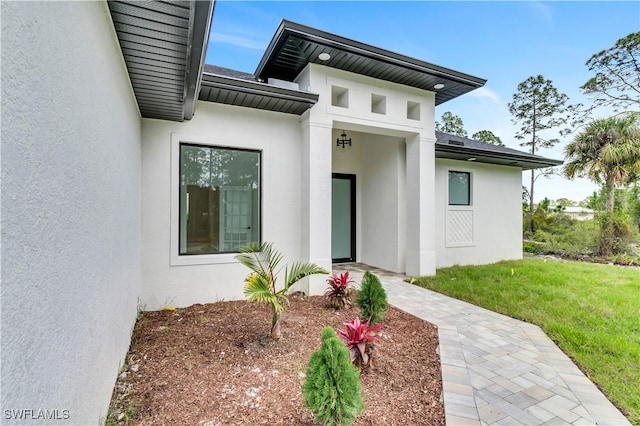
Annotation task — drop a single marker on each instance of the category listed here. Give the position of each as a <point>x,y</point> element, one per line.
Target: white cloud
<point>543,10</point>
<point>485,93</point>
<point>237,41</point>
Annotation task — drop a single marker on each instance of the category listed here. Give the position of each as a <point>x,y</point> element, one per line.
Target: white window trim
<point>456,207</point>
<point>198,259</point>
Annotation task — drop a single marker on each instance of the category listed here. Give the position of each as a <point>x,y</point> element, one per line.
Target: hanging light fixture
<point>342,141</point>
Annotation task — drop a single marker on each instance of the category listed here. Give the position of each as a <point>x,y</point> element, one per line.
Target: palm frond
<point>300,270</point>
<point>258,289</point>
<point>608,150</point>
<point>250,256</point>
<point>260,258</point>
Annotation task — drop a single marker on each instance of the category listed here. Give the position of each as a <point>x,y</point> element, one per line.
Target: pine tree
<point>537,107</point>
<point>332,390</point>
<point>372,299</point>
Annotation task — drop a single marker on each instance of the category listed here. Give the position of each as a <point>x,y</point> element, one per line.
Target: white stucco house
<point>132,172</point>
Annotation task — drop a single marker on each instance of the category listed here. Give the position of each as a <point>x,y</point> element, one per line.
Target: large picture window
<point>459,188</point>
<point>219,199</point>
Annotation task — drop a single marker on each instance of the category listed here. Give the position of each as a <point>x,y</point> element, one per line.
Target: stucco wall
<point>495,215</point>
<point>213,278</point>
<point>383,203</point>
<point>70,210</point>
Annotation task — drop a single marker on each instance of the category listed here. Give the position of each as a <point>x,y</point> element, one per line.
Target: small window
<point>459,188</point>
<point>219,199</point>
<point>339,96</point>
<point>378,104</point>
<point>413,110</point>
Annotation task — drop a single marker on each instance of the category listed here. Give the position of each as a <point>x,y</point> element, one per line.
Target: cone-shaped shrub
<point>372,299</point>
<point>332,391</point>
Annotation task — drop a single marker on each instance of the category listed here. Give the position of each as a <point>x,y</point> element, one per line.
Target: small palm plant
<point>261,285</point>
<point>339,290</point>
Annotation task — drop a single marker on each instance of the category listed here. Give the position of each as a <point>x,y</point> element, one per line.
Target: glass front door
<point>343,218</point>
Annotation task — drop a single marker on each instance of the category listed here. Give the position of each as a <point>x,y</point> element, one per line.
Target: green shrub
<point>332,390</point>
<point>372,299</point>
<point>615,234</point>
<point>533,247</point>
<point>562,235</point>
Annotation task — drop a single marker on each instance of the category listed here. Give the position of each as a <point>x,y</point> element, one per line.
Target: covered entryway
<point>368,215</point>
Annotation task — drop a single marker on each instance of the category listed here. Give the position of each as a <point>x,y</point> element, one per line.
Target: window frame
<point>469,188</point>
<point>176,258</point>
<point>465,209</point>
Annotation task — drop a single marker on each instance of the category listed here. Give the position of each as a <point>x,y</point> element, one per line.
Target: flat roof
<point>465,149</point>
<point>295,45</point>
<point>227,86</point>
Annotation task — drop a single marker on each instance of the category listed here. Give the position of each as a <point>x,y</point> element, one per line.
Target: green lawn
<point>591,311</point>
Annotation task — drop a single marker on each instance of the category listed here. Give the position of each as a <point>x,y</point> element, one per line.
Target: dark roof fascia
<point>199,28</point>
<point>532,161</point>
<point>288,27</point>
<point>257,88</point>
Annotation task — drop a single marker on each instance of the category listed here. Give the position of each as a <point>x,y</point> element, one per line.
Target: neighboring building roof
<point>228,72</point>
<point>578,210</point>
<point>461,148</point>
<point>227,86</point>
<point>164,44</point>
<point>294,46</point>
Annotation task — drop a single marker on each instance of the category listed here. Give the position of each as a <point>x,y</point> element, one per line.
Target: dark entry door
<point>343,218</point>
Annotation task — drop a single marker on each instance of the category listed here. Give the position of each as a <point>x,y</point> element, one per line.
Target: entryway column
<point>316,201</point>
<point>421,214</point>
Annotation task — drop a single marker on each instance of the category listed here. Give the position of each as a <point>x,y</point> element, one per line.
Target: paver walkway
<point>497,370</point>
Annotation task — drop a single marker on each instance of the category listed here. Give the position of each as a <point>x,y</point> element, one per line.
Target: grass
<point>591,311</point>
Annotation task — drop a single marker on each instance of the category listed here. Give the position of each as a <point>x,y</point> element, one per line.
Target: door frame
<point>352,181</point>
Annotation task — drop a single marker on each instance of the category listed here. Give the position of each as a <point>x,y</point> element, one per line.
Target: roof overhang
<point>164,44</point>
<point>253,94</point>
<point>523,161</point>
<point>295,45</point>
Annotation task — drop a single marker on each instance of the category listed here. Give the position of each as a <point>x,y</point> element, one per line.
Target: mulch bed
<point>215,365</point>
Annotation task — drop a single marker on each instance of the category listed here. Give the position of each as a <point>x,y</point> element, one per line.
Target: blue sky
<point>503,42</point>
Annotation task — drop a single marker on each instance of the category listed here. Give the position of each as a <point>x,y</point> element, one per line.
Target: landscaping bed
<point>215,365</point>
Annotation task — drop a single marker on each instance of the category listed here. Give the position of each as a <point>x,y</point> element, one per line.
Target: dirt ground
<point>215,365</point>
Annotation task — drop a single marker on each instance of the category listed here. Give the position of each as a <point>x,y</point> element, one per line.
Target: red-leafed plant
<point>339,290</point>
<point>360,338</point>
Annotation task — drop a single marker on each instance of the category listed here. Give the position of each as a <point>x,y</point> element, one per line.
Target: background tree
<point>607,152</point>
<point>594,201</point>
<point>487,136</point>
<point>544,205</point>
<point>451,124</point>
<point>538,106</point>
<point>633,205</point>
<point>617,79</point>
<point>525,199</point>
<point>565,202</point>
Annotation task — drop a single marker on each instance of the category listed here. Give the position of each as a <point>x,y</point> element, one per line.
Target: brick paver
<point>497,370</point>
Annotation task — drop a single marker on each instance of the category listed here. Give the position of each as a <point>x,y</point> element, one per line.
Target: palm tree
<point>607,152</point>
<point>261,285</point>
